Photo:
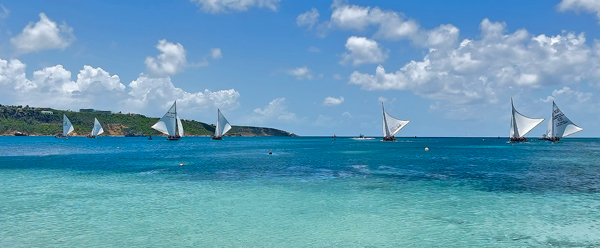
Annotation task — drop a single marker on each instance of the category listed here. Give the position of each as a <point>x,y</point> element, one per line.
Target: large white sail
<point>67,126</point>
<point>520,125</point>
<point>391,125</point>
<point>561,125</point>
<point>179,127</point>
<point>97,130</point>
<point>167,124</point>
<point>222,125</point>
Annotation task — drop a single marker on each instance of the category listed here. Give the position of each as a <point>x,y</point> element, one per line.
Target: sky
<point>310,67</point>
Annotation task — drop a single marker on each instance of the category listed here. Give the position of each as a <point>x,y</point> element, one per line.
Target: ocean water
<point>311,192</point>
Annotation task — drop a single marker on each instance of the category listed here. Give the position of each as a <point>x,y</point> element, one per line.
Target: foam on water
<point>313,194</point>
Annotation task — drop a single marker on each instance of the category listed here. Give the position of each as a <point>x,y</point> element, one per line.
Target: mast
<point>217,132</point>
<point>514,122</point>
<point>175,103</point>
<point>553,120</point>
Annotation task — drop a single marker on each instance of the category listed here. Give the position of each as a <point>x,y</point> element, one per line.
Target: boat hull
<point>217,138</point>
<point>515,139</point>
<point>390,138</point>
<point>173,137</point>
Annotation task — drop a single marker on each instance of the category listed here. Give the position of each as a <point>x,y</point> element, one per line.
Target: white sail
<point>549,129</point>
<point>520,125</point>
<point>562,126</point>
<point>391,125</point>
<point>222,125</point>
<point>179,127</point>
<point>67,126</point>
<point>97,130</point>
<point>167,124</point>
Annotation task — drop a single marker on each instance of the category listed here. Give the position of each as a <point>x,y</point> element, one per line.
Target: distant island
<point>25,120</point>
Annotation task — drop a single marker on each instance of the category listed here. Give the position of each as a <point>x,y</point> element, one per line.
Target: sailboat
<point>170,124</point>
<point>520,125</point>
<point>67,127</point>
<point>222,126</point>
<point>391,125</point>
<point>97,130</point>
<point>560,126</point>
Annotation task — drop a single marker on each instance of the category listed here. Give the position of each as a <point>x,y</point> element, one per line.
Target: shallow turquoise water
<point>312,192</point>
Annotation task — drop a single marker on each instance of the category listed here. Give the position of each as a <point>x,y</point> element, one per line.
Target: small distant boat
<point>67,128</point>
<point>222,126</point>
<point>21,134</point>
<point>170,124</point>
<point>559,126</point>
<point>97,130</point>
<point>520,125</point>
<point>391,125</point>
<point>362,137</point>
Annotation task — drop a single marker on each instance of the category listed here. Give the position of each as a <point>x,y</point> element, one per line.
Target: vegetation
<point>32,121</point>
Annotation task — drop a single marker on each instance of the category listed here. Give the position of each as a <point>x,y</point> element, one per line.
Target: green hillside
<point>32,121</point>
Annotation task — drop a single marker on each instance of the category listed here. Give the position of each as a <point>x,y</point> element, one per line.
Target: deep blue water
<point>311,192</point>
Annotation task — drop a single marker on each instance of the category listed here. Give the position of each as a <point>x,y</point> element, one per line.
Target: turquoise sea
<point>311,192</point>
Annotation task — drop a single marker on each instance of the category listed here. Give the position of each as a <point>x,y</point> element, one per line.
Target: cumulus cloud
<point>171,60</point>
<point>390,25</point>
<point>308,19</point>
<point>275,110</point>
<point>567,94</point>
<point>96,88</point>
<point>43,35</point>
<point>227,6</point>
<point>481,71</point>
<point>151,92</point>
<point>301,73</point>
<point>591,6</point>
<point>332,101</point>
<point>215,53</point>
<point>363,51</point>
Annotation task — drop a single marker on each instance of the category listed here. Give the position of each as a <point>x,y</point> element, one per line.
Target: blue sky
<point>310,67</point>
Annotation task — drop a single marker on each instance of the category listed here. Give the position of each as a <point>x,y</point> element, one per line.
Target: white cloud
<point>591,6</point>
<point>215,53</point>
<point>313,49</point>
<point>5,12</point>
<point>275,110</point>
<point>347,114</point>
<point>96,88</point>
<point>43,35</point>
<point>481,71</point>
<point>332,101</point>
<point>308,19</point>
<point>363,51</point>
<point>227,6</point>
<point>301,73</point>
<point>171,60</point>
<point>151,93</point>
<point>391,25</point>
<point>568,95</point>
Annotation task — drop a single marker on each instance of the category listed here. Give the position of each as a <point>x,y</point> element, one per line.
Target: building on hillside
<point>46,112</point>
<point>95,111</point>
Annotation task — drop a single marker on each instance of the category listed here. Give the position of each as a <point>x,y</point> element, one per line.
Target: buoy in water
<point>270,153</point>
<point>426,148</point>
<point>181,164</point>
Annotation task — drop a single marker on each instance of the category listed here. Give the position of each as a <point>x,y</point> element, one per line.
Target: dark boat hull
<point>173,137</point>
<point>391,138</point>
<point>217,138</point>
<point>513,139</point>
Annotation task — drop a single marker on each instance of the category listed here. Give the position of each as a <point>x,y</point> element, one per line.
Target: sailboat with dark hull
<point>222,126</point>
<point>559,126</point>
<point>391,125</point>
<point>170,124</point>
<point>520,125</point>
